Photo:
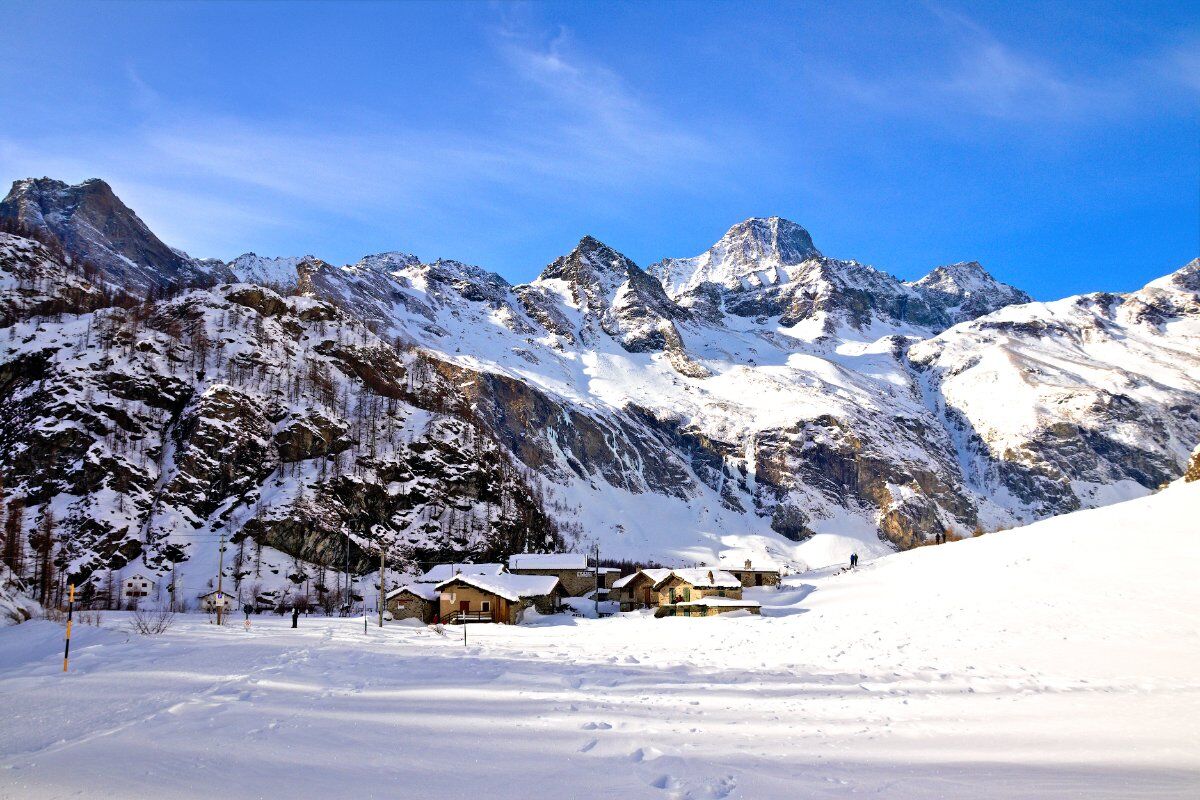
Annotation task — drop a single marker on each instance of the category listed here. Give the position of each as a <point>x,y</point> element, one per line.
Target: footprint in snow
<point>645,754</point>
<point>596,726</point>
<point>587,747</point>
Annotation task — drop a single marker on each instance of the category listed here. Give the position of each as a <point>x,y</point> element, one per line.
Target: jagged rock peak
<point>387,262</point>
<point>966,290</point>
<point>590,261</point>
<point>93,224</point>
<point>757,245</point>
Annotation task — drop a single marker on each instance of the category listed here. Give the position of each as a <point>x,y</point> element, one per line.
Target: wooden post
<point>70,614</point>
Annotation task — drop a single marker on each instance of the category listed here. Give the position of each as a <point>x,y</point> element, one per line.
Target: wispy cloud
<point>577,128</point>
<point>976,73</point>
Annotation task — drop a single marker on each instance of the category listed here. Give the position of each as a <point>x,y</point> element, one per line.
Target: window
<point>486,605</point>
<point>720,592</point>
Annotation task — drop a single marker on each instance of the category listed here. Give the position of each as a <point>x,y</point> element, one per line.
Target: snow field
<point>1044,662</point>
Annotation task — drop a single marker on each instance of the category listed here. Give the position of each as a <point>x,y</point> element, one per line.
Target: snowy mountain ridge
<point>783,404</point>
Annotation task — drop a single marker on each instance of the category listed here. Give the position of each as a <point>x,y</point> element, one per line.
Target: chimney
<point>747,563</point>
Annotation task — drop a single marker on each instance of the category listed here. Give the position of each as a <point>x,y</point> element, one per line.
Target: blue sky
<point>1056,144</point>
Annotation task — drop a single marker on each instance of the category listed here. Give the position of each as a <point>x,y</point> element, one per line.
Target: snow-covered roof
<point>442,572</point>
<point>506,585</point>
<point>224,594</point>
<point>655,576</point>
<point>424,591</point>
<point>704,577</point>
<point>725,602</point>
<point>548,561</point>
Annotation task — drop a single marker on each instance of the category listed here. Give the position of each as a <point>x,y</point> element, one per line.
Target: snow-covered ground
<point>1052,661</point>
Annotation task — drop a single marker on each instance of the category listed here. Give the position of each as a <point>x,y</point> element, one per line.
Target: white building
<point>135,587</point>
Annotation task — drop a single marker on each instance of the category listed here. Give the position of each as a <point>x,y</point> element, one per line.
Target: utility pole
<point>596,594</point>
<point>382,569</point>
<point>220,584</point>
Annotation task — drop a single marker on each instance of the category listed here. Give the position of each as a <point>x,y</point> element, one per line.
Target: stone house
<point>414,601</point>
<point>701,591</point>
<point>135,587</point>
<point>571,569</point>
<point>686,585</point>
<point>749,575</point>
<point>497,598</point>
<point>637,590</point>
<point>210,601</point>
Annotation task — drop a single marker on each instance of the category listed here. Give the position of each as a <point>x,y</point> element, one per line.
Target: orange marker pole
<point>70,613</point>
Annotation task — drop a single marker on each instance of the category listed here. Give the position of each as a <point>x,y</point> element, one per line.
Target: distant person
<point>295,615</point>
<point>853,560</point>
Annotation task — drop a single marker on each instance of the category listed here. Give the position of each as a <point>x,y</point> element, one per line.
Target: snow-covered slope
<point>1052,661</point>
<point>1074,403</point>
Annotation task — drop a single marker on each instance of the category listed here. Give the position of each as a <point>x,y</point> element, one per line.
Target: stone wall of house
<point>681,586</point>
<point>408,606</point>
<point>575,582</point>
<point>699,611</point>
<point>750,579</point>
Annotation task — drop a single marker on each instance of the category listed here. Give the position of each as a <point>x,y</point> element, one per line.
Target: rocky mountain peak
<point>755,251</point>
<point>591,260</point>
<point>966,290</point>
<point>91,222</point>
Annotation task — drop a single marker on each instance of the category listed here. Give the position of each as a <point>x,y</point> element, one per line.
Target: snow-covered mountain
<point>761,397</point>
<point>94,226</point>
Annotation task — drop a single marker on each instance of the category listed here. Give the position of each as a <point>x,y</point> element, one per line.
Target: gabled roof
<point>704,578</point>
<point>423,591</point>
<point>510,587</point>
<point>655,575</point>
<point>442,572</point>
<point>548,561</point>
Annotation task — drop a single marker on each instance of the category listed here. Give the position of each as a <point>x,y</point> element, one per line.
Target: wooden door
<point>646,596</point>
<point>464,606</point>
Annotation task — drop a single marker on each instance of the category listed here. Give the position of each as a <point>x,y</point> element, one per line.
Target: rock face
<point>93,224</point>
<point>761,396</point>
